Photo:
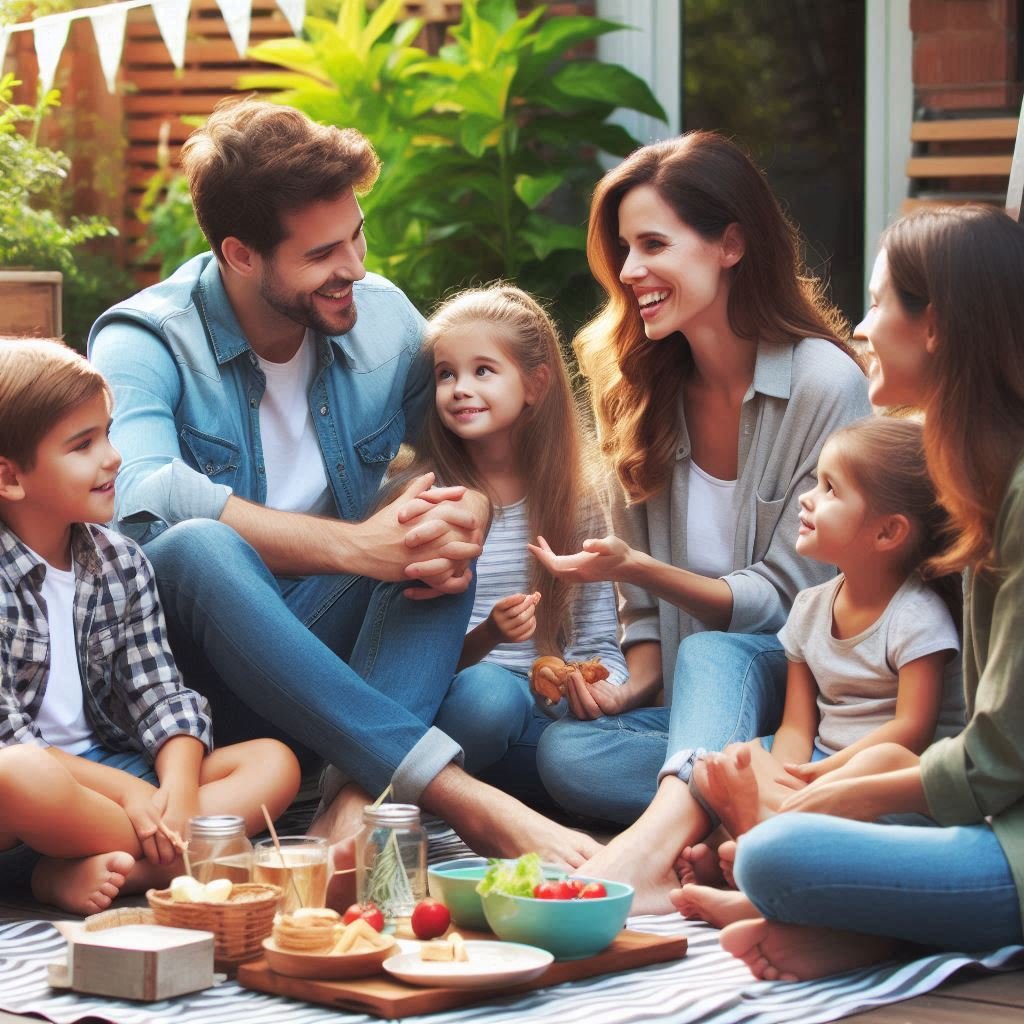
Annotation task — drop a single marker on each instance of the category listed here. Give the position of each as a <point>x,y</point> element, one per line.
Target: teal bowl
<point>570,929</point>
<point>454,883</point>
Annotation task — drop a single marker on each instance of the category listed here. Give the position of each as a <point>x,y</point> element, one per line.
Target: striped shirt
<point>133,695</point>
<point>503,568</point>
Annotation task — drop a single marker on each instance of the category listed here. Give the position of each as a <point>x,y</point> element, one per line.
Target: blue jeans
<point>948,887</point>
<point>728,687</point>
<point>345,665</point>
<point>490,712</point>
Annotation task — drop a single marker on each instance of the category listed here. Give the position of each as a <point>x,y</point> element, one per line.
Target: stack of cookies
<point>309,930</point>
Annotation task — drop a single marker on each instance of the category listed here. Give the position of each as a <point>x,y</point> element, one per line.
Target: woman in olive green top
<point>946,333</point>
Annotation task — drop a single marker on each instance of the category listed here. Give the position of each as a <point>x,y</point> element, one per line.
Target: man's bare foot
<point>341,883</point>
<point>727,861</point>
<point>698,865</point>
<point>82,886</point>
<point>729,785</point>
<point>716,906</point>
<point>790,952</point>
<point>343,817</point>
<point>627,858</point>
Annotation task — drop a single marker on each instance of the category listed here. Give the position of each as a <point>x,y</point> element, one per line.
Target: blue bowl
<point>454,883</point>
<point>571,929</point>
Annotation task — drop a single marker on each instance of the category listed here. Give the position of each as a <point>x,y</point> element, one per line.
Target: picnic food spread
<point>452,948</point>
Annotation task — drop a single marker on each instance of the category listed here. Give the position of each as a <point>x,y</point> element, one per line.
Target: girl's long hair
<point>885,458</point>
<point>550,440</point>
<point>964,267</point>
<point>635,383</point>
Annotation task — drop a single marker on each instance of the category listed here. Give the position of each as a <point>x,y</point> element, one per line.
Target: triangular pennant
<point>50,34</point>
<point>295,12</point>
<point>237,17</point>
<point>172,20</point>
<point>108,28</point>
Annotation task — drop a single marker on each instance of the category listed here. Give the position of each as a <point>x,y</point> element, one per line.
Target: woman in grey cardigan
<point>716,372</point>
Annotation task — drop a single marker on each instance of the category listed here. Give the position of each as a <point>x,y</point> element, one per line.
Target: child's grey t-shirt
<point>858,677</point>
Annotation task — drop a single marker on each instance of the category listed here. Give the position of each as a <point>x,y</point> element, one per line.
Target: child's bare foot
<point>343,816</point>
<point>716,906</point>
<point>727,861</point>
<point>729,786</point>
<point>698,865</point>
<point>82,886</point>
<point>651,876</point>
<point>790,952</point>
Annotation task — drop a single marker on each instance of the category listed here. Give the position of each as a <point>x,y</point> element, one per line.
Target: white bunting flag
<point>237,17</point>
<point>172,20</point>
<point>295,12</point>
<point>50,36</point>
<point>108,28</point>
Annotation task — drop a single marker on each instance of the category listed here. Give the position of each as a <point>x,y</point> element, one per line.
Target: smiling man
<point>260,393</point>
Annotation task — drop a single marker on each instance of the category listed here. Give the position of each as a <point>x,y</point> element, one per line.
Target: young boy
<point>104,754</point>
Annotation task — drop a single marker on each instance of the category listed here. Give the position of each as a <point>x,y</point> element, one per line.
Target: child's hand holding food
<point>515,617</point>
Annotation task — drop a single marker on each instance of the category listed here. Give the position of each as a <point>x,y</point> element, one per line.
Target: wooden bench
<point>960,160</point>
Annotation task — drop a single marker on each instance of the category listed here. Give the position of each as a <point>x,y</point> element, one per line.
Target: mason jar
<point>391,861</point>
<point>219,848</point>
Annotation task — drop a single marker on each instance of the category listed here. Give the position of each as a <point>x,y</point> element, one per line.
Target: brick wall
<point>966,54</point>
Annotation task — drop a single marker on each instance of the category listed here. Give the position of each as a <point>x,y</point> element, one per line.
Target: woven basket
<point>239,925</point>
<point>116,917</point>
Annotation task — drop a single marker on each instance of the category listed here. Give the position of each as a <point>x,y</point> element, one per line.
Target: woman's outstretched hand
<point>601,559</point>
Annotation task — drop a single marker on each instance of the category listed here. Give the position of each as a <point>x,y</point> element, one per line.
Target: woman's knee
<point>194,546</point>
<point>768,857</point>
<point>486,692</point>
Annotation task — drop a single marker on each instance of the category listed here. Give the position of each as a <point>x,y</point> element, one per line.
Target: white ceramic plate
<point>490,964</point>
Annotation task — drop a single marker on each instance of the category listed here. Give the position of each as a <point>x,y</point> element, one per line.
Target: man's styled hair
<point>41,381</point>
<point>254,161</point>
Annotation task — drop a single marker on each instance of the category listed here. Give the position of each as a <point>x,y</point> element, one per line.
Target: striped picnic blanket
<point>706,987</point>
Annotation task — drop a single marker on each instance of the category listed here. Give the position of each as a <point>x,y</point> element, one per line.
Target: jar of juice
<point>219,848</point>
<point>391,861</point>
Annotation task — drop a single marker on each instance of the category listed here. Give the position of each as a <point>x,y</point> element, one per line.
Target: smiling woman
<point>716,372</point>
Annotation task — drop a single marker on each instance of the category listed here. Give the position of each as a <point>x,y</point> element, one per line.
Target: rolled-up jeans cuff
<point>681,765</point>
<point>434,751</point>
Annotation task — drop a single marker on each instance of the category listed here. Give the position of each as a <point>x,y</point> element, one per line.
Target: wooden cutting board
<point>387,997</point>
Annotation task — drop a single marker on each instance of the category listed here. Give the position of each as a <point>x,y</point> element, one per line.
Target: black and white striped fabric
<point>706,987</point>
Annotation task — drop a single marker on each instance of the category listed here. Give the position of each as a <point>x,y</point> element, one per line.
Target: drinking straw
<point>280,853</point>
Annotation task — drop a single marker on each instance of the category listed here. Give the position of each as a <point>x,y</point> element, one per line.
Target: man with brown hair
<point>257,413</point>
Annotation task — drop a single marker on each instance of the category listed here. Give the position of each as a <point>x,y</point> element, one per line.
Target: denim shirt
<point>187,390</point>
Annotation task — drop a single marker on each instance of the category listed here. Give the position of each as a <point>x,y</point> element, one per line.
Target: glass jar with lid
<point>391,860</point>
<point>219,848</point>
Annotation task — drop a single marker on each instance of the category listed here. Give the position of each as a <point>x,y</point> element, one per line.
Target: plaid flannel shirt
<point>133,695</point>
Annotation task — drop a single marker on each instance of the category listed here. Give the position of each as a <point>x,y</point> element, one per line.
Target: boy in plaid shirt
<point>104,753</point>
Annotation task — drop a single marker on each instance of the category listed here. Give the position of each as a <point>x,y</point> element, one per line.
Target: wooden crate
<point>30,303</point>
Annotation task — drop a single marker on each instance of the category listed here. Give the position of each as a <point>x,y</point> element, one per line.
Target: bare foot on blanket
<point>627,858</point>
<point>698,865</point>
<point>790,952</point>
<point>729,785</point>
<point>727,861</point>
<point>716,906</point>
<point>341,883</point>
<point>85,885</point>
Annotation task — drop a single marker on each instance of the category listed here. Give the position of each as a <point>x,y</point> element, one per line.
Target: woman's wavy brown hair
<point>550,441</point>
<point>635,383</point>
<point>964,266</point>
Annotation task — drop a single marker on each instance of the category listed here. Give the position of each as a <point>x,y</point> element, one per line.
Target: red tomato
<point>553,890</point>
<point>593,891</point>
<point>576,884</point>
<point>430,919</point>
<point>369,912</point>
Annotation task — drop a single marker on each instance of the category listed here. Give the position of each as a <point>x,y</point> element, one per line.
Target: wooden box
<point>30,303</point>
<point>137,961</point>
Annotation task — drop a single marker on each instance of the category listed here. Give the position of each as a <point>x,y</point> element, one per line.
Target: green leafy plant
<point>35,233</point>
<point>489,148</point>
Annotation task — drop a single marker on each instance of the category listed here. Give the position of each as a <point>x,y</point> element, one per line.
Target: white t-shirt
<point>296,479</point>
<point>61,719</point>
<point>858,676</point>
<point>710,523</point>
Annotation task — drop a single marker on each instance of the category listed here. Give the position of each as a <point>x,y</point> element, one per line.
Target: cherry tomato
<point>369,912</point>
<point>552,890</point>
<point>430,919</point>
<point>576,884</point>
<point>593,891</point>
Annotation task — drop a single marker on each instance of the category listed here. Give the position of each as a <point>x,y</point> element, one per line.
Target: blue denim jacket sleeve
<point>155,488</point>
